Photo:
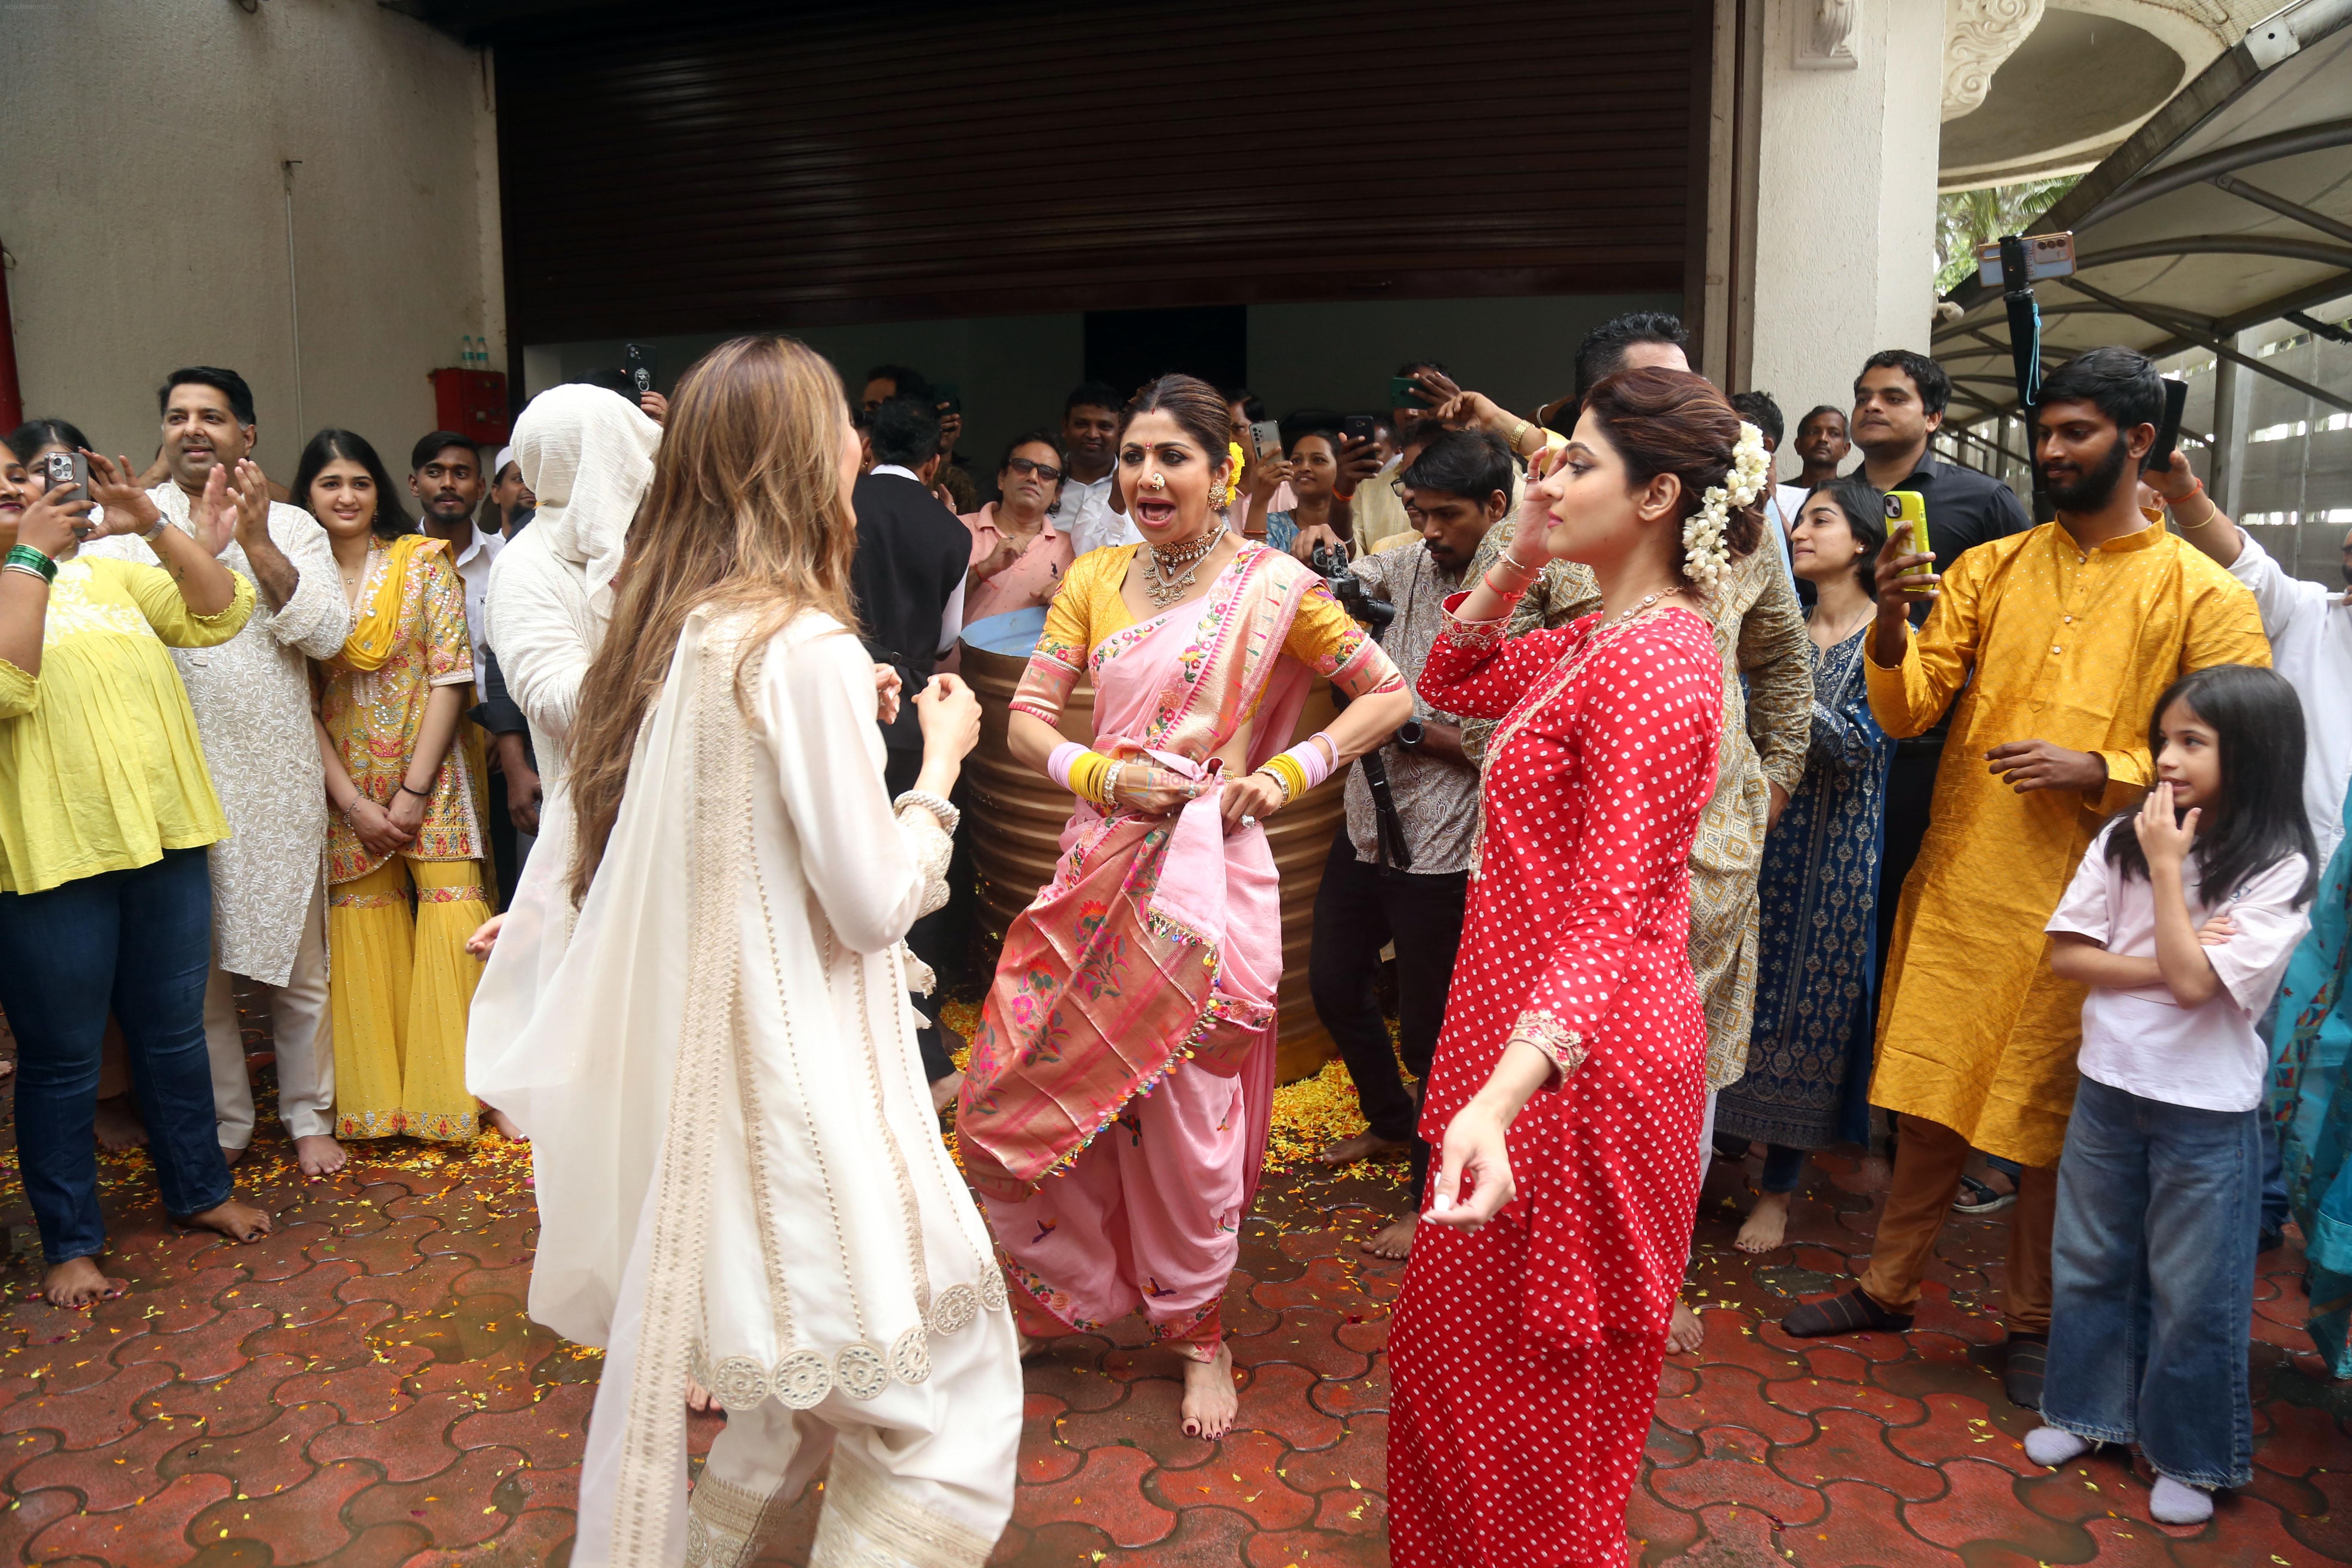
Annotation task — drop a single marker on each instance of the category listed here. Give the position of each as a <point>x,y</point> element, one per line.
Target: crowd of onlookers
<point>1975,770</point>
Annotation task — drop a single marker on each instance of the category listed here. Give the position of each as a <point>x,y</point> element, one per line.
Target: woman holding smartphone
<point>406,818</point>
<point>105,810</point>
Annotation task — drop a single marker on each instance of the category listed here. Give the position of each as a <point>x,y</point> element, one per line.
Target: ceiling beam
<point>2155,319</point>
<point>2246,191</point>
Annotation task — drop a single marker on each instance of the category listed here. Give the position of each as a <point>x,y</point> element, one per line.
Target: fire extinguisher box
<point>473,403</point>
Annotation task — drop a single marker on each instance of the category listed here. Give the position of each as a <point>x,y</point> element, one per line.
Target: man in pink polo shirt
<point>1018,557</point>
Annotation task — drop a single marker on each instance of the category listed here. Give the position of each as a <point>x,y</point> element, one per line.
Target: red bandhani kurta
<point>1525,1357</point>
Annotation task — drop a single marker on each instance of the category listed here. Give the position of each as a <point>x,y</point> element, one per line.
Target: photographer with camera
<point>1401,871</point>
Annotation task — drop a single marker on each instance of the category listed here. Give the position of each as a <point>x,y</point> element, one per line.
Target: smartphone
<point>950,400</point>
<point>639,363</point>
<point>1358,427</point>
<point>1265,435</point>
<point>1406,392</point>
<point>1911,507</point>
<point>67,474</point>
<point>2168,432</point>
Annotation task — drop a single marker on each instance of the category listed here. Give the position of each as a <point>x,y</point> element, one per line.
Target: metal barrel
<point>1014,828</point>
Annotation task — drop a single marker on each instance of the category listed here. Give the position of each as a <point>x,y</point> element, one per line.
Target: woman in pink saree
<point>1114,1111</point>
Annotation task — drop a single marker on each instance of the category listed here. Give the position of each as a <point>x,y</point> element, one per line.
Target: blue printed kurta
<point>1809,1049</point>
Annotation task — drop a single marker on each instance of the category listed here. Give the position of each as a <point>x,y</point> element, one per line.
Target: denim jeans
<point>139,943</point>
<point>2152,1282</point>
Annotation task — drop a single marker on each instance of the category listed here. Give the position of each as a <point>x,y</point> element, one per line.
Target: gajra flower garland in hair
<point>1705,553</point>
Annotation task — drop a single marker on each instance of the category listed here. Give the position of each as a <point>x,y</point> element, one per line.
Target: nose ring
<point>1158,481</point>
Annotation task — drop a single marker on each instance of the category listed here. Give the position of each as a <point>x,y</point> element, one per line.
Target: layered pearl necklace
<point>1171,569</point>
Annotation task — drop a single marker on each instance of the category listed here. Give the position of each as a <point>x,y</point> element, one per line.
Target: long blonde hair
<point>746,513</point>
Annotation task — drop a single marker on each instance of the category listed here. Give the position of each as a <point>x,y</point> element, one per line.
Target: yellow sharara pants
<point>399,984</point>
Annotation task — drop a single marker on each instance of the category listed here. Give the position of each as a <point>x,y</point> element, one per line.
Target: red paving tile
<point>363,1389</point>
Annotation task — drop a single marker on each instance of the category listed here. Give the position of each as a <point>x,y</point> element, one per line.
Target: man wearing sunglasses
<point>1018,557</point>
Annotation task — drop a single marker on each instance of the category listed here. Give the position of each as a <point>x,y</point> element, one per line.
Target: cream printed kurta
<point>252,699</point>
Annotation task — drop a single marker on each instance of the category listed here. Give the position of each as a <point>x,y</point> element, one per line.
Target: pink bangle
<point>1314,760</point>
<point>1057,764</point>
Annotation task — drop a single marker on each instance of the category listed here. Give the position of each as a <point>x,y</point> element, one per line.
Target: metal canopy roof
<point>2231,207</point>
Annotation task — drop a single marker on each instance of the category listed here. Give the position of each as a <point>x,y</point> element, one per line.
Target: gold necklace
<point>1162,583</point>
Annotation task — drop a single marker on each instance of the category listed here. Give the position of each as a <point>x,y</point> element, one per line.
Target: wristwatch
<point>1409,734</point>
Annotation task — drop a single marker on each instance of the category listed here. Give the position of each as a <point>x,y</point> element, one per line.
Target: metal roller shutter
<point>686,170</point>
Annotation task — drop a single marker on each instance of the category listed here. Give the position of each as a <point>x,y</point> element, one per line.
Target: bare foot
<point>944,1092</point>
<point>1210,1403</point>
<point>1688,1333</point>
<point>1767,1223</point>
<point>700,1400</point>
<point>501,1120</point>
<point>320,1155</point>
<point>231,1155</point>
<point>236,1221</point>
<point>1363,1146</point>
<point>78,1282</point>
<point>1393,1240</point>
<point>118,1127</point>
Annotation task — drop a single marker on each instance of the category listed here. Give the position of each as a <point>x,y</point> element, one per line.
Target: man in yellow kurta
<point>2056,643</point>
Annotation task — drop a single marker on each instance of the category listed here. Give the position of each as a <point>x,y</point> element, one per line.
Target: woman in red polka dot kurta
<point>1567,1087</point>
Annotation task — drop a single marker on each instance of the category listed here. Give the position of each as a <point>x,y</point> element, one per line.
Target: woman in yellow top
<point>404,845</point>
<point>105,810</point>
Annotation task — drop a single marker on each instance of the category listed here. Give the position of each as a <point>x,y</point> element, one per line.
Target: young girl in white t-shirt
<point>2181,919</point>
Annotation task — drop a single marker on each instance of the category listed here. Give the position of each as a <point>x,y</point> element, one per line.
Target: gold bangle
<point>1287,774</point>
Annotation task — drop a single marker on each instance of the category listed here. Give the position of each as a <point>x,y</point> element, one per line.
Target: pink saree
<point>1155,942</point>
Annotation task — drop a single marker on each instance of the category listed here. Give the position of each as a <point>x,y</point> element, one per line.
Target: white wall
<point>141,198</point>
<point>1845,252</point>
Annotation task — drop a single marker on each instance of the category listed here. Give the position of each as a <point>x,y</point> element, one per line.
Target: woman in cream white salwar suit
<point>801,1242</point>
<point>741,1178</point>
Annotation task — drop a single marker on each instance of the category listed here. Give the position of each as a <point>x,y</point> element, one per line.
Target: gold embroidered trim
<point>1477,636</point>
<point>645,1486</point>
<point>449,895</point>
<point>1537,1028</point>
<point>869,1522</point>
<point>367,901</point>
<point>724,1523</point>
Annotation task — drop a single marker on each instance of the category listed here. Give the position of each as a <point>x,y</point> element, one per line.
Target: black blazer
<point>911,555</point>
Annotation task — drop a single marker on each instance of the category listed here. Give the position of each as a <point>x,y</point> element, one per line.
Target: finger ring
<point>1248,821</point>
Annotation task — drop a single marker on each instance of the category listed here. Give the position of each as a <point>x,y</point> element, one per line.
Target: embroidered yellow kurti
<point>100,768</point>
<point>398,924</point>
<point>373,716</point>
<point>2041,640</point>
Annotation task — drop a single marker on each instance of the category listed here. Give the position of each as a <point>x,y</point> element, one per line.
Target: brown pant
<point>1928,1161</point>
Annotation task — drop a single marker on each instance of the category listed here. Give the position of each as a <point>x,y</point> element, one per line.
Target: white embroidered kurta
<point>2310,628</point>
<point>727,1056</point>
<point>252,698</point>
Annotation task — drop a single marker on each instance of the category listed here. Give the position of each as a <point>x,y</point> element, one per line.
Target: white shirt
<point>1083,511</point>
<point>2310,630</point>
<point>1780,510</point>
<point>474,571</point>
<point>2144,1043</point>
<point>951,618</point>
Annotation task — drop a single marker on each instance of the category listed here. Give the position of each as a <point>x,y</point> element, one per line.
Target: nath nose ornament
<point>1158,481</point>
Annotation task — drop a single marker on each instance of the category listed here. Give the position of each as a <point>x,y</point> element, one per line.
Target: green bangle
<point>24,556</point>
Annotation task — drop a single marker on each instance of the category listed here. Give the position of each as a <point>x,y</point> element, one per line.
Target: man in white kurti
<point>2310,628</point>
<point>588,455</point>
<point>252,700</point>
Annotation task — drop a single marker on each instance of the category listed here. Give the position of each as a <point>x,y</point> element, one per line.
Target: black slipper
<point>1851,1313</point>
<point>2029,1359</point>
<point>1977,1199</point>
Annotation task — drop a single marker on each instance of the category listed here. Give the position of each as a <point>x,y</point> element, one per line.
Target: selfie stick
<point>2024,324</point>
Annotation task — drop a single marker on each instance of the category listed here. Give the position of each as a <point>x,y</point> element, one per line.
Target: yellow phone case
<point>1911,507</point>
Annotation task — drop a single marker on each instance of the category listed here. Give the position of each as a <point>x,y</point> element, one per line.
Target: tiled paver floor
<point>363,1388</point>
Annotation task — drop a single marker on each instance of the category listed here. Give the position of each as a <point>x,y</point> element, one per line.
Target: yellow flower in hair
<point>1224,497</point>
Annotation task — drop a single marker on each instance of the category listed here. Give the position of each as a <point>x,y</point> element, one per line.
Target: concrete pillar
<point>2233,405</point>
<point>1844,220</point>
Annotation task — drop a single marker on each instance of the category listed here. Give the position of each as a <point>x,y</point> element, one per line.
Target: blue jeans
<point>2152,1282</point>
<point>138,943</point>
